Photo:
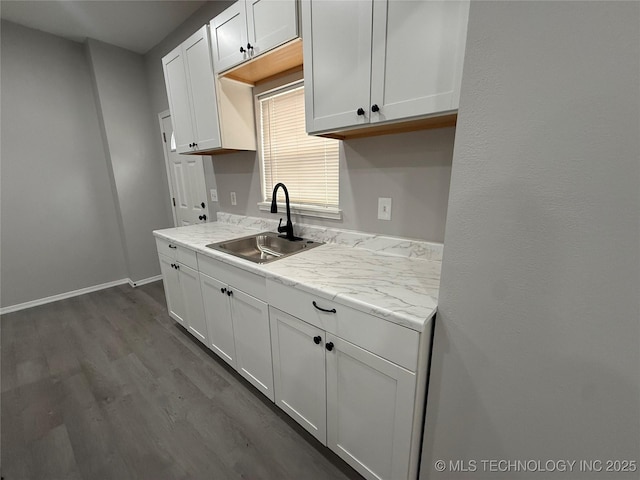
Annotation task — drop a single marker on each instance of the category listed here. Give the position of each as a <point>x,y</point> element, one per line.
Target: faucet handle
<point>280,227</point>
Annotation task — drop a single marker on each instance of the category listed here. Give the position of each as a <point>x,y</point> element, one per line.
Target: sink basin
<point>263,247</point>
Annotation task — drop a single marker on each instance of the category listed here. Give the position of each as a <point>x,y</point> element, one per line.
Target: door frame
<point>161,116</point>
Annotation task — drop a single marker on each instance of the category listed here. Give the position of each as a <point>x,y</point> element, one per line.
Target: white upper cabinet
<point>229,35</point>
<point>197,56</point>
<point>270,23</point>
<point>418,49</point>
<point>249,28</point>
<point>369,62</point>
<point>337,63</point>
<point>208,114</point>
<point>175,78</point>
<point>191,93</point>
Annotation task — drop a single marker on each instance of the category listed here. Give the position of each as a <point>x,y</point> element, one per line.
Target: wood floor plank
<point>107,386</point>
<point>53,456</point>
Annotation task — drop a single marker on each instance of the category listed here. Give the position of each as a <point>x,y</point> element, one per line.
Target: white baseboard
<point>144,281</point>
<point>62,296</point>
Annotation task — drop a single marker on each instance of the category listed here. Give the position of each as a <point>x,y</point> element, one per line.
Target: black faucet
<point>288,228</point>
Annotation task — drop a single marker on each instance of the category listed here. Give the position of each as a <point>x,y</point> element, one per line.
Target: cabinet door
<point>299,371</point>
<point>337,63</point>
<point>418,49</point>
<point>179,100</point>
<point>172,291</point>
<point>229,37</point>
<point>197,60</point>
<point>369,411</point>
<point>192,296</point>
<point>270,23</point>
<point>252,340</point>
<point>218,314</point>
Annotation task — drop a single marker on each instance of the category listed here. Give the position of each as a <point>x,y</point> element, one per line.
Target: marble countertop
<point>399,289</point>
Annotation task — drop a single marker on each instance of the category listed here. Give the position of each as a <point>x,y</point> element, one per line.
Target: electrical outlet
<point>214,195</point>
<point>384,208</point>
<point>233,198</point>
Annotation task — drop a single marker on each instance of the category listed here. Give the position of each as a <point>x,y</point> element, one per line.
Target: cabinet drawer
<point>236,277</point>
<point>167,248</point>
<point>177,252</point>
<point>388,340</point>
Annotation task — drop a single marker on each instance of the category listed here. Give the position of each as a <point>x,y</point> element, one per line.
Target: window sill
<point>332,213</point>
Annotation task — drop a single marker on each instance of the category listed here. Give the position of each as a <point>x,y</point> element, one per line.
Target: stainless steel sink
<point>263,247</point>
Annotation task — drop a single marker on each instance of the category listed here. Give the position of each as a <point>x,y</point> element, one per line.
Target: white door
<point>337,63</point>
<point>172,290</point>
<point>252,340</point>
<point>192,297</point>
<point>299,371</point>
<point>176,81</point>
<point>218,314</point>
<point>229,37</point>
<point>197,61</point>
<point>270,23</point>
<point>186,180</point>
<point>418,50</point>
<point>369,411</point>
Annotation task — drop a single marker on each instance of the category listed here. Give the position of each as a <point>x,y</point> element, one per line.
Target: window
<point>307,165</point>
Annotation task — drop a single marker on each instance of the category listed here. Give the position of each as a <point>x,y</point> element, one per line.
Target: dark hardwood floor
<point>107,386</point>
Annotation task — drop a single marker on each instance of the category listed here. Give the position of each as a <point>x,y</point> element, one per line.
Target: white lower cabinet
<point>172,292</point>
<point>239,331</point>
<point>218,314</point>
<point>358,404</point>
<point>370,407</point>
<point>354,381</point>
<point>184,298</point>
<point>299,371</point>
<point>192,297</point>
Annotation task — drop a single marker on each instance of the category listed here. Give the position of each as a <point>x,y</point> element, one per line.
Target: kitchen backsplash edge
<point>403,247</point>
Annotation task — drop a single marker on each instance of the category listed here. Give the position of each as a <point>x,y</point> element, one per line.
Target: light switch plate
<point>233,198</point>
<point>384,208</point>
<point>214,195</point>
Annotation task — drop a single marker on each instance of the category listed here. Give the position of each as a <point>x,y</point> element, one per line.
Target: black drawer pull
<point>329,346</point>
<point>333,310</point>
<point>317,339</point>
<point>172,246</point>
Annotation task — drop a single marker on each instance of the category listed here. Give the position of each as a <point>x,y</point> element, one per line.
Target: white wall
<point>537,342</point>
<point>131,136</point>
<point>413,169</point>
<point>59,228</point>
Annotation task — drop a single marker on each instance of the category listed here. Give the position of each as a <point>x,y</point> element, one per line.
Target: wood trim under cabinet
<point>399,127</point>
<point>280,61</point>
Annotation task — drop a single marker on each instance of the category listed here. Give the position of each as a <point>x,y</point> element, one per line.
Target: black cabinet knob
<point>375,108</point>
<point>191,145</point>
<point>229,293</point>
<point>360,111</point>
<point>173,265</point>
<point>317,339</point>
<point>201,217</point>
<point>242,50</point>
<point>202,204</point>
<point>249,46</point>
<point>329,346</point>
<point>223,290</point>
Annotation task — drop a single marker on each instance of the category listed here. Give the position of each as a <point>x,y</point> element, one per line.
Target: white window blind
<point>307,165</point>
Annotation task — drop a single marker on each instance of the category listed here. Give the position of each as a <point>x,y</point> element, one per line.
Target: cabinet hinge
<point>174,201</point>
<point>164,137</point>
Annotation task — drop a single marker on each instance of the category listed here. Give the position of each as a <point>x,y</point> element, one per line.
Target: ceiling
<point>136,25</point>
